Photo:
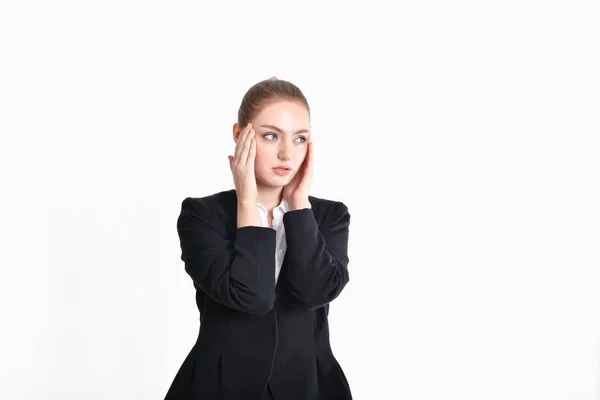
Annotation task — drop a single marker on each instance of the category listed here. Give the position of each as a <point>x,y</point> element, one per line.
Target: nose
<point>284,152</point>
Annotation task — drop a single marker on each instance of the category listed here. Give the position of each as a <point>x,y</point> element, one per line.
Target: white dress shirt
<point>280,243</point>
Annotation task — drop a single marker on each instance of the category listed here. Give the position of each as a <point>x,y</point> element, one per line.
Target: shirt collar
<point>283,205</point>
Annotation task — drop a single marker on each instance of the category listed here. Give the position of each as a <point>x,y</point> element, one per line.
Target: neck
<point>269,197</point>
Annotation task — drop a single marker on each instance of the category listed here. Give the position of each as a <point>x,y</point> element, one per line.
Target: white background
<point>462,135</point>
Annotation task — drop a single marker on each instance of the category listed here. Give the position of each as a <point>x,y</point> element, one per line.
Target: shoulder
<point>328,211</point>
<point>210,202</point>
<point>217,206</point>
<point>328,205</point>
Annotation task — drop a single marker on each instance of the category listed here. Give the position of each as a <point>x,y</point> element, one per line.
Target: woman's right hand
<point>242,167</point>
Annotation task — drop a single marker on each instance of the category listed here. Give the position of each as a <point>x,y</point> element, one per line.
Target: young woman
<point>266,259</point>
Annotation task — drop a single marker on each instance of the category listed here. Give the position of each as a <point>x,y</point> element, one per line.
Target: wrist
<point>298,204</point>
<point>246,204</point>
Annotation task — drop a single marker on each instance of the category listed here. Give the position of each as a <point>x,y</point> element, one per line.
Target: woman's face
<point>282,132</point>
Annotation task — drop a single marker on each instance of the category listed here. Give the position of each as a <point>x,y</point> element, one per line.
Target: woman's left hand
<point>296,192</point>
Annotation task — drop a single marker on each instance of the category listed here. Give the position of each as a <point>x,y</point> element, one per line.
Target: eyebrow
<point>281,131</point>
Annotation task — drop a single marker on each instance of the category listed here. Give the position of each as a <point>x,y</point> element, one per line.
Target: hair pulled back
<point>267,92</point>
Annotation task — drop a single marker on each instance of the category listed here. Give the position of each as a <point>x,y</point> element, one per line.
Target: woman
<point>266,259</point>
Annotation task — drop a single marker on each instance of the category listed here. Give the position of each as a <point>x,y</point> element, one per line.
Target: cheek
<point>301,154</point>
<point>265,150</point>
<point>261,156</point>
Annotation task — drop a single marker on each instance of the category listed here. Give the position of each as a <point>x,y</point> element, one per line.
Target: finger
<point>311,161</point>
<point>246,148</point>
<point>308,159</point>
<point>307,155</point>
<point>241,141</point>
<point>252,153</point>
<point>246,144</point>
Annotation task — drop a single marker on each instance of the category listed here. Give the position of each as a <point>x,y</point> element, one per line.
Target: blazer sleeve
<point>317,269</point>
<point>239,274</point>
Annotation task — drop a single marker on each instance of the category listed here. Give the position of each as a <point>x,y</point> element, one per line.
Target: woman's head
<point>265,92</point>
<point>280,116</point>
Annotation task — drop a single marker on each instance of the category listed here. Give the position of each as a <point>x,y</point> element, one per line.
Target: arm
<point>238,274</point>
<point>317,262</point>
<point>248,215</point>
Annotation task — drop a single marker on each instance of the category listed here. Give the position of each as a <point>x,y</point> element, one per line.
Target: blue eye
<point>273,134</point>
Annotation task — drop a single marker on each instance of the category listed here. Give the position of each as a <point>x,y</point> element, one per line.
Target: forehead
<point>288,115</point>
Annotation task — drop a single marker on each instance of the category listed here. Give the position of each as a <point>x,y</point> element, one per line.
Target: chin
<point>280,182</point>
<point>277,181</point>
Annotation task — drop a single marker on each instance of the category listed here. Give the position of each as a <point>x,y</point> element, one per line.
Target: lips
<point>282,171</point>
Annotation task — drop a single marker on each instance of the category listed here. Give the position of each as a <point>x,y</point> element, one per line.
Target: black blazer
<point>252,330</point>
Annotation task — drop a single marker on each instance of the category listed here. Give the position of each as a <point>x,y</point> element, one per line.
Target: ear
<point>236,132</point>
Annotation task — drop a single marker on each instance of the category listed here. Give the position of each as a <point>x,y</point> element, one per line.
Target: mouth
<point>282,171</point>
